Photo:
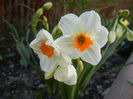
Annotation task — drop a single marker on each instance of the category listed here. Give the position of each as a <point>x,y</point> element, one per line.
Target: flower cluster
<point>83,37</point>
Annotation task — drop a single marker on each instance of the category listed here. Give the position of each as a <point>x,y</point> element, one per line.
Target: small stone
<point>11,66</point>
<point>3,73</point>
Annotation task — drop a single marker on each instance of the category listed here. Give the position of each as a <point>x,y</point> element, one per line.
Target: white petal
<point>50,74</point>
<point>40,37</point>
<point>101,37</point>
<point>49,43</point>
<point>66,45</point>
<point>64,60</point>
<point>56,51</point>
<point>44,34</point>
<point>72,80</point>
<point>64,73</point>
<point>69,24</point>
<point>76,54</point>
<point>47,64</point>
<point>92,55</point>
<point>91,22</point>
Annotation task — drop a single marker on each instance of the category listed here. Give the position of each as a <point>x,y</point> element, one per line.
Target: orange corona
<point>47,50</point>
<point>82,42</point>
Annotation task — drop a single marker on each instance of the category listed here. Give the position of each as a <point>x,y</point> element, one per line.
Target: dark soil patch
<point>17,82</point>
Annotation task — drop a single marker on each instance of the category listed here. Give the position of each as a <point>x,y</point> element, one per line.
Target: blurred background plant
<point>15,30</point>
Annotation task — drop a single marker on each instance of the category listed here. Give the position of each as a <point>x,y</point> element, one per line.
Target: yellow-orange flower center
<point>47,50</point>
<point>82,42</point>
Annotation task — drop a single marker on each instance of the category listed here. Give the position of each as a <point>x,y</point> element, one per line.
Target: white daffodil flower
<point>66,74</point>
<point>49,53</point>
<point>83,36</point>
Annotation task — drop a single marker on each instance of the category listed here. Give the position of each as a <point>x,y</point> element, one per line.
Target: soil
<point>18,82</point>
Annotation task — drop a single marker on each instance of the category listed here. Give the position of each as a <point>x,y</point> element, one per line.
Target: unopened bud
<point>66,74</point>
<point>112,36</point>
<point>129,35</point>
<point>39,12</point>
<point>81,67</point>
<point>45,18</point>
<point>123,13</point>
<point>45,23</point>
<point>47,6</point>
<point>119,31</point>
<point>56,32</point>
<point>35,18</point>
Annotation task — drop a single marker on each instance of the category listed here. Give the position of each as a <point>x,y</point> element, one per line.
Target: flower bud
<point>119,31</point>
<point>129,35</point>
<point>56,32</point>
<point>81,67</point>
<point>124,22</point>
<point>66,74</point>
<point>39,12</point>
<point>123,13</point>
<point>47,6</point>
<point>35,18</point>
<point>45,23</point>
<point>112,36</point>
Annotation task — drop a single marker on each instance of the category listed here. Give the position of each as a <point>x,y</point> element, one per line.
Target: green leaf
<point>39,94</point>
<point>130,82</point>
<point>13,30</point>
<point>1,57</point>
<point>23,62</point>
<point>24,53</point>
<point>9,55</point>
<point>27,35</point>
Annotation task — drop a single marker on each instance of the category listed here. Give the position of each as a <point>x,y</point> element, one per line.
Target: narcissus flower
<point>83,36</point>
<point>66,74</point>
<point>49,53</point>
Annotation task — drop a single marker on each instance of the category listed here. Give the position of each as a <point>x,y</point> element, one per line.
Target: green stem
<point>106,48</point>
<point>80,78</point>
<point>74,88</point>
<point>73,92</point>
<point>91,72</point>
<point>115,23</point>
<point>83,75</point>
